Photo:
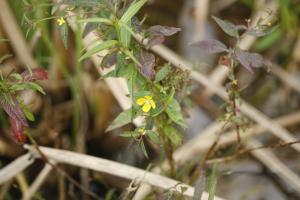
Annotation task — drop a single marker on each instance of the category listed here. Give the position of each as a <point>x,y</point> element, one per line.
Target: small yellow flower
<point>235,82</point>
<point>147,103</point>
<point>60,21</point>
<point>142,131</point>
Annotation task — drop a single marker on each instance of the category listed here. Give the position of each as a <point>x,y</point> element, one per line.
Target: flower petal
<point>146,107</point>
<point>153,105</point>
<point>141,101</point>
<point>148,97</point>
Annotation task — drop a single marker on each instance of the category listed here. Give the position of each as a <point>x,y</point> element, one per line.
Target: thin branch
<point>250,150</point>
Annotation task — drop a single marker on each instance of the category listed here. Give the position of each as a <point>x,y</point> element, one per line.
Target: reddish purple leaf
<point>147,61</point>
<point>227,27</point>
<point>18,130</point>
<point>249,60</point>
<point>109,60</point>
<point>36,74</point>
<point>13,110</point>
<point>163,30</point>
<point>155,40</point>
<point>211,46</point>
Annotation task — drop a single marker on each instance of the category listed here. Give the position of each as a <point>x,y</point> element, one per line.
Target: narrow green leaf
<point>122,119</point>
<point>212,183</point>
<point>100,47</point>
<point>64,34</point>
<point>129,134</point>
<point>125,35</point>
<point>142,145</point>
<point>16,76</point>
<point>96,20</point>
<point>162,73</point>
<point>28,114</point>
<point>131,76</point>
<point>36,87</point>
<point>54,9</point>
<point>132,10</point>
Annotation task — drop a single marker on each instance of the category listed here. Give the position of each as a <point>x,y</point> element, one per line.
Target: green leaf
<point>28,114</point>
<point>29,85</point>
<point>121,68</point>
<point>131,76</point>
<point>130,134</point>
<point>96,20</point>
<point>36,87</point>
<point>141,93</point>
<point>142,145</point>
<point>174,112</point>
<point>100,47</point>
<point>268,41</point>
<point>153,136</point>
<point>16,76</point>
<point>125,35</point>
<point>227,27</point>
<point>132,10</point>
<point>212,183</point>
<point>64,34</point>
<point>122,119</point>
<point>162,73</point>
<point>54,9</point>
<point>173,134</point>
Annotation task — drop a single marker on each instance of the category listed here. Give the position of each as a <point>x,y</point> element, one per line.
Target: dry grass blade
<point>15,167</point>
<point>38,182</point>
<point>114,169</point>
<point>275,165</point>
<point>206,138</point>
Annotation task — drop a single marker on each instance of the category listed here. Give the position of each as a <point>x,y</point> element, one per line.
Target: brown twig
<point>246,151</point>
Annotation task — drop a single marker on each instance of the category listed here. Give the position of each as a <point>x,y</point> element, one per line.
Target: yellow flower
<point>60,21</point>
<point>142,131</point>
<point>235,82</point>
<point>147,103</point>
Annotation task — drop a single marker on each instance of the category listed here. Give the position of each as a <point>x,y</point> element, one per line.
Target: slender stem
<point>169,154</point>
<point>233,100</point>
